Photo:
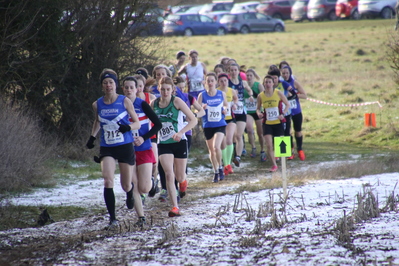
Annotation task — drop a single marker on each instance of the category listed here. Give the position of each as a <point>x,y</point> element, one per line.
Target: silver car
<point>246,22</point>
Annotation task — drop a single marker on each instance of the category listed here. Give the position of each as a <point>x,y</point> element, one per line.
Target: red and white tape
<point>346,105</point>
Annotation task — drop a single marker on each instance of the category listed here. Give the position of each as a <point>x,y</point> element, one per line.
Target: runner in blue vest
<point>142,170</point>
<point>112,113</point>
<point>215,105</point>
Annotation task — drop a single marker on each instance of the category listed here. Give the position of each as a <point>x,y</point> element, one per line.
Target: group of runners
<point>148,129</point>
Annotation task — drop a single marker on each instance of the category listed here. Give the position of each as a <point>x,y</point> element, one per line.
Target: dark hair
<point>130,78</point>
<point>142,71</point>
<point>180,54</point>
<point>280,66</point>
<point>178,79</point>
<point>223,75</point>
<point>274,72</point>
<point>212,74</point>
<point>268,77</point>
<point>219,66</point>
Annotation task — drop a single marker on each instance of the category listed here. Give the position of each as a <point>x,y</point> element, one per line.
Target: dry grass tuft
<point>169,233</point>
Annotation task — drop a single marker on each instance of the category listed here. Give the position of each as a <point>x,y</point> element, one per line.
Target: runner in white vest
<point>195,72</point>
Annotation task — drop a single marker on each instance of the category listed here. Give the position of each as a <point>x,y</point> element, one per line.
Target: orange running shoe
<point>301,155</point>
<point>225,171</point>
<point>291,157</point>
<point>230,169</point>
<point>174,212</point>
<point>183,188</point>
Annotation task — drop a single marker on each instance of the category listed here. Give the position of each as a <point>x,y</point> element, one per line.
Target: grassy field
<point>341,62</point>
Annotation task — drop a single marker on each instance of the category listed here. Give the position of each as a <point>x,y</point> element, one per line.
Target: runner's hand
<point>90,142</point>
<point>124,128</point>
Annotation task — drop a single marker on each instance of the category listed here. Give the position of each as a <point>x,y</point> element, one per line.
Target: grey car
<point>246,22</point>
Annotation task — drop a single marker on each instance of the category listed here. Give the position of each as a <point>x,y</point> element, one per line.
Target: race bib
<point>112,134</point>
<point>167,131</point>
<point>214,113</point>
<point>293,104</point>
<point>251,106</point>
<point>135,133</point>
<point>196,85</point>
<point>228,110</point>
<point>272,113</point>
<point>239,108</point>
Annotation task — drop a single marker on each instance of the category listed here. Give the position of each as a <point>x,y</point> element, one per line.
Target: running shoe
<point>163,195</point>
<point>230,169</point>
<point>274,168</point>
<point>263,156</point>
<point>143,196</point>
<point>174,212</point>
<point>130,199</point>
<point>154,189</point>
<point>221,174</point>
<point>113,224</point>
<point>141,222</point>
<point>225,170</point>
<point>216,178</point>
<point>253,153</point>
<point>244,152</point>
<point>301,155</point>
<point>183,188</point>
<point>291,157</point>
<point>236,161</point>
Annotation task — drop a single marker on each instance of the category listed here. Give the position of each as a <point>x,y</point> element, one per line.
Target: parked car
<point>179,9</point>
<point>245,22</point>
<point>217,15</point>
<point>191,10</point>
<point>381,8</point>
<point>244,6</point>
<point>150,25</point>
<point>347,9</point>
<point>216,6</point>
<point>276,8</point>
<point>192,24</point>
<point>299,11</point>
<point>322,9</point>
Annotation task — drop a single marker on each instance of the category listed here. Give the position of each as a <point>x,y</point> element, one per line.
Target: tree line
<point>53,51</point>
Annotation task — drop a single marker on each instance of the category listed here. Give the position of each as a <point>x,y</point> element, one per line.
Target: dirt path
<point>257,228</point>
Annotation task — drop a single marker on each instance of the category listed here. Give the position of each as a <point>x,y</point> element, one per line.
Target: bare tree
<point>54,50</point>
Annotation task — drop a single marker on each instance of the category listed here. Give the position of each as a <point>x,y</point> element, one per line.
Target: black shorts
<point>209,132</point>
<point>287,125</point>
<point>255,116</point>
<point>240,117</point>
<point>231,120</point>
<point>297,121</point>
<point>123,153</point>
<point>178,149</point>
<point>274,130</point>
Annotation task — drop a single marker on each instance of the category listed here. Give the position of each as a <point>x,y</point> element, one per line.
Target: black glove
<point>293,95</point>
<point>97,159</point>
<point>123,128</point>
<point>90,142</point>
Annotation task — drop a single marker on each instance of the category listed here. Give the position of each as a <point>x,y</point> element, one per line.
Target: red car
<point>280,9</point>
<point>347,9</point>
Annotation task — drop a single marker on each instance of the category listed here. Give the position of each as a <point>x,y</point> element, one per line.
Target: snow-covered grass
<point>228,230</point>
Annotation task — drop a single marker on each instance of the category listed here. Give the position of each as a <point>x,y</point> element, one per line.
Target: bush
<point>24,150</point>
